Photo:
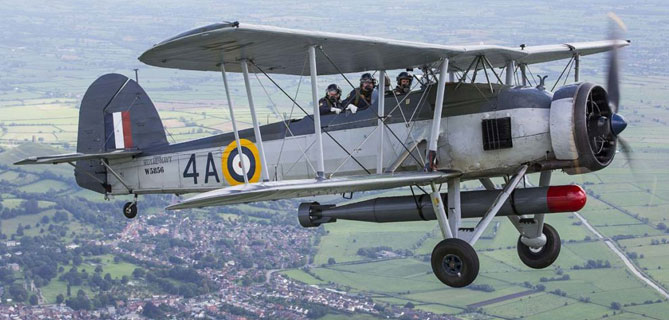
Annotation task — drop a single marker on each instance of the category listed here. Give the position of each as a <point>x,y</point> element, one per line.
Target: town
<point>199,265</point>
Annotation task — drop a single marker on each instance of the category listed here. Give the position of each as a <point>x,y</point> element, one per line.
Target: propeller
<point>613,86</point>
<point>616,122</point>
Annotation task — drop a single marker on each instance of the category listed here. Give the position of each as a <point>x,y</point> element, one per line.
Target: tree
<point>188,290</point>
<point>18,293</point>
<point>615,305</point>
<point>138,273</point>
<point>80,302</point>
<point>33,300</point>
<point>409,305</point>
<point>76,260</point>
<point>60,298</point>
<point>152,312</point>
<point>30,206</point>
<point>98,268</point>
<point>317,311</point>
<point>331,260</point>
<point>46,271</point>
<point>6,275</point>
<point>60,216</point>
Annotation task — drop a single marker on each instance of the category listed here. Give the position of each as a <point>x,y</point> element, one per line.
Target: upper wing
<point>552,52</point>
<point>284,51</point>
<point>70,157</point>
<point>275,190</point>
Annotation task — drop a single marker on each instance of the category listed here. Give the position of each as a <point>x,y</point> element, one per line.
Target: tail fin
<point>115,114</point>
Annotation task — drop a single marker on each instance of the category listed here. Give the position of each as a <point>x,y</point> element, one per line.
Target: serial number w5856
<point>154,170</point>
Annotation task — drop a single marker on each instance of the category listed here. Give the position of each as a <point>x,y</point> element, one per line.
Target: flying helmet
<point>333,87</point>
<point>404,75</point>
<point>367,77</point>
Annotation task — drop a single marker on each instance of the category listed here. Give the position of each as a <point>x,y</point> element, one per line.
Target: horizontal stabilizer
<point>71,157</point>
<point>275,190</point>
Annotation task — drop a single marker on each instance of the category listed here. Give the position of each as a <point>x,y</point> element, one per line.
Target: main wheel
<point>130,210</point>
<point>455,263</point>
<point>539,258</point>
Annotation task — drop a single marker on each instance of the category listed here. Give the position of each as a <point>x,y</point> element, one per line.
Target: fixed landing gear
<point>544,256</point>
<point>454,260</point>
<point>130,209</point>
<point>455,263</point>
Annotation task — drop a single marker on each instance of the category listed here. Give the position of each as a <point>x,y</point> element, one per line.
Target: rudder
<point>115,113</point>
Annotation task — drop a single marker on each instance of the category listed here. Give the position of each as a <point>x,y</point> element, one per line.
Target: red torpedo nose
<point>566,198</point>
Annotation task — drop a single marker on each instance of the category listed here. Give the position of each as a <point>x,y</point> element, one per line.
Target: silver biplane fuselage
<point>291,154</point>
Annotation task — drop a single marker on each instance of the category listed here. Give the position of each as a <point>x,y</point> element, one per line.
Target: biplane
<point>448,129</point>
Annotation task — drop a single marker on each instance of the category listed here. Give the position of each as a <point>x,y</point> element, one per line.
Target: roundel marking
<point>232,162</point>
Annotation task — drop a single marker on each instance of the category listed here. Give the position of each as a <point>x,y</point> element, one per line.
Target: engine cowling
<point>580,127</point>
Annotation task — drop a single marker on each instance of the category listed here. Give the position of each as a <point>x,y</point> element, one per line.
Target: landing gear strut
<point>130,209</point>
<point>454,260</point>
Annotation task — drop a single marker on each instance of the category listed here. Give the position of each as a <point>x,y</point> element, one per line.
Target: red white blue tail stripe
<point>118,129</point>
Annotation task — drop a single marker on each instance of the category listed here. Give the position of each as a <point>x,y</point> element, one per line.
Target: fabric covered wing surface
<point>284,51</point>
<point>309,187</point>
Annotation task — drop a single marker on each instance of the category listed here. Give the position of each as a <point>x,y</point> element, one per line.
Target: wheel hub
<point>537,242</point>
<point>452,264</point>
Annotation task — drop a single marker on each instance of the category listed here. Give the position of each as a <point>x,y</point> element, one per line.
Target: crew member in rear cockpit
<point>331,103</point>
<point>404,80</point>
<point>361,97</point>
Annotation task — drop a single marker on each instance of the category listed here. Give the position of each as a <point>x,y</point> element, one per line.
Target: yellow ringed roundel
<point>232,165</point>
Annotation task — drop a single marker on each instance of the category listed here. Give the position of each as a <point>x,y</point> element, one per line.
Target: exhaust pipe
<point>474,204</point>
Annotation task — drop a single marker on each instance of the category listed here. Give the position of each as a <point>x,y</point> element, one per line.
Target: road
<point>635,271</point>
<point>269,273</point>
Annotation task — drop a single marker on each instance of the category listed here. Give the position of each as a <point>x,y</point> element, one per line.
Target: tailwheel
<point>539,258</point>
<point>455,263</point>
<point>130,209</point>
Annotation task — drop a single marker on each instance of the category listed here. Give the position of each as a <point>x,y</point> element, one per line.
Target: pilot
<point>361,97</point>
<point>331,103</point>
<point>404,80</point>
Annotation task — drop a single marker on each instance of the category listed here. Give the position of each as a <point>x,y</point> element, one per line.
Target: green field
<point>116,270</point>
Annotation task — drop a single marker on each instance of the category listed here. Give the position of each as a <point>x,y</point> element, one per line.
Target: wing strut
<point>523,74</point>
<point>234,123</point>
<point>382,114</point>
<point>509,73</point>
<point>431,164</point>
<point>254,119</point>
<point>308,115</point>
<point>577,66</point>
<point>369,106</point>
<point>320,171</point>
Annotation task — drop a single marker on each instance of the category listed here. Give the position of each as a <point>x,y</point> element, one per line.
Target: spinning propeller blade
<point>617,122</point>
